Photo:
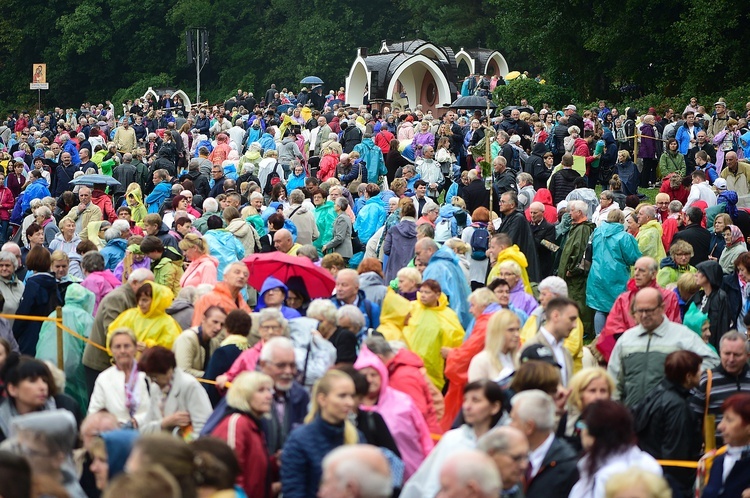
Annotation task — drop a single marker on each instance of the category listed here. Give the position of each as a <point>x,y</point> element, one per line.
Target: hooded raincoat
<point>78,315</point>
<point>225,247</point>
<point>445,268</point>
<point>275,283</point>
<point>134,198</point>
<point>201,271</point>
<point>373,157</point>
<point>715,305</point>
<point>325,216</point>
<point>399,246</point>
<point>154,328</point>
<point>428,330</point>
<point>614,252</point>
<point>401,415</point>
<point>371,217</point>
<point>649,240</point>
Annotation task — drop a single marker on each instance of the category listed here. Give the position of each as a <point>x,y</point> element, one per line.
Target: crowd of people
<point>516,335</point>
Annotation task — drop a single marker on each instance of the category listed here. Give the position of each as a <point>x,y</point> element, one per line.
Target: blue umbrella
<point>311,80</point>
<point>95,180</point>
<point>283,108</point>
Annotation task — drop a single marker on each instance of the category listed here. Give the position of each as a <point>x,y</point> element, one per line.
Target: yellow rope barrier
<point>678,463</point>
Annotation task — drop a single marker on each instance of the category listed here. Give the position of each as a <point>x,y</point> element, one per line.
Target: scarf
<point>132,396</point>
<point>737,236</point>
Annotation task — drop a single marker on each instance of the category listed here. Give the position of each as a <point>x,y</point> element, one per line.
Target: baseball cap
<point>539,352</point>
<point>720,184</point>
<point>571,107</point>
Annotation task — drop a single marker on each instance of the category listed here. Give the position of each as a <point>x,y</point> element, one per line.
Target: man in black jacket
<point>538,166</point>
<point>552,468</point>
<point>504,180</point>
<point>475,193</point>
<point>515,225</point>
<point>574,119</point>
<point>694,234</point>
<point>544,237</point>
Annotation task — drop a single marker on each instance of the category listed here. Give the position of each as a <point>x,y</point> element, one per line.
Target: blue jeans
<point>600,318</point>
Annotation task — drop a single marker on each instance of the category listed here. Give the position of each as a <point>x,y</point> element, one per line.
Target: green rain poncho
<point>325,216</point>
<point>77,316</point>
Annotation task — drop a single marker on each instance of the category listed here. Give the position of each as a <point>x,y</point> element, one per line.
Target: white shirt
<point>700,192</point>
<point>536,457</point>
<point>559,352</point>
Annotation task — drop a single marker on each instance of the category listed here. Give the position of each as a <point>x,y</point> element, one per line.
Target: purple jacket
<point>422,139</point>
<point>521,299</point>
<point>647,147</point>
<point>120,268</point>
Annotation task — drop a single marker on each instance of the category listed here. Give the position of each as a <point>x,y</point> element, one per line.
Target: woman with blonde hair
<point>586,386</point>
<point>249,399</point>
<point>327,427</point>
<point>637,483</point>
<point>203,268</point>
<point>499,359</point>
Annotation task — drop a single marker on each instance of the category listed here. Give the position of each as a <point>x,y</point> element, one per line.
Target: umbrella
<point>512,75</point>
<point>283,108</point>
<point>319,282</point>
<point>472,102</point>
<point>95,180</point>
<point>311,80</point>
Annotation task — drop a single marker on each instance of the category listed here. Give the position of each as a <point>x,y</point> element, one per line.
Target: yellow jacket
<point>574,342</point>
<point>512,253</point>
<point>430,329</point>
<point>155,328</point>
<point>135,202</point>
<point>393,313</point>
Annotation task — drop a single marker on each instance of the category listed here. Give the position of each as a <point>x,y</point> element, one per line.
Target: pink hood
<point>401,415</point>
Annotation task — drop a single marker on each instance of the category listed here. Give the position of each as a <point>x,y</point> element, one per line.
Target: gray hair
<point>354,315</point>
<point>535,406</point>
<point>732,335</point>
<point>210,205</point>
<point>268,314</point>
<point>296,196</point>
<point>256,195</point>
<point>342,203</point>
<point>477,467</point>
<point>429,207</point>
<point>322,308</point>
<point>577,205</point>
<point>498,440</point>
<point>379,345</point>
<point>274,344</point>
<point>607,194</point>
<point>649,211</point>
<point>349,468</point>
<point>43,211</point>
<point>309,251</point>
<point>9,257</point>
<point>111,234</point>
<point>140,275</point>
<point>92,261</point>
<point>675,206</point>
<point>121,225</point>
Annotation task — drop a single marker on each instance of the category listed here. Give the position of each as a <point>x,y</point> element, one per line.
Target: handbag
<point>354,184</point>
<point>356,243</point>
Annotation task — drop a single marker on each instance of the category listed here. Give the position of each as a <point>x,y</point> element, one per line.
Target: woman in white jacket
<point>610,445</point>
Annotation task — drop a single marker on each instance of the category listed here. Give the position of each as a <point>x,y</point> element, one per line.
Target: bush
<point>536,93</point>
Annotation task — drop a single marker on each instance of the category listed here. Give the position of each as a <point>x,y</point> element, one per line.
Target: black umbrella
<point>472,102</point>
<point>506,110</point>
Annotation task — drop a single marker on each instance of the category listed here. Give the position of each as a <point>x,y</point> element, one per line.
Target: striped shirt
<point>723,385</point>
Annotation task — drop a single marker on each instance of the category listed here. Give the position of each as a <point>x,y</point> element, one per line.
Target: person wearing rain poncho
<point>273,293</point>
<point>133,260</point>
<point>325,216</point>
<point>251,158</point>
<point>134,198</point>
<point>46,440</point>
<point>149,320</point>
<point>402,416</point>
<point>77,316</point>
<point>432,326</point>
<point>94,232</point>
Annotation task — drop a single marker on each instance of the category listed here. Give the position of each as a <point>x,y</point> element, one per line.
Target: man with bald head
<point>620,317</point>
<point>283,242</point>
<point>649,234</point>
<point>637,361</point>
<point>737,175</point>
<point>509,449</point>
<point>348,292</point>
<point>356,471</point>
<point>469,474</point>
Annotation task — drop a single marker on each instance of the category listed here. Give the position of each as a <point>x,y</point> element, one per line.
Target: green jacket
<point>669,163</point>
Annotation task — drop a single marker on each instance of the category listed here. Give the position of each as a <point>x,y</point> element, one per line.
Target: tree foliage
<point>619,50</point>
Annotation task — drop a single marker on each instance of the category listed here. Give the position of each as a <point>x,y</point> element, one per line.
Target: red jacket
<point>582,149</point>
<point>669,227</point>
<point>457,369</point>
<point>544,196</point>
<point>620,319</point>
<point>244,436</point>
<point>6,203</point>
<point>383,140</point>
<point>406,375</point>
<point>105,204</point>
<point>680,193</point>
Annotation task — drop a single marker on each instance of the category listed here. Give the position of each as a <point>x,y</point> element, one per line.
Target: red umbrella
<point>319,282</point>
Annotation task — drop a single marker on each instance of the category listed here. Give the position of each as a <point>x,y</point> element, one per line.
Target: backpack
<point>443,230</point>
<point>480,242</point>
<point>622,136</point>
<point>515,164</point>
<point>272,179</point>
<point>551,143</point>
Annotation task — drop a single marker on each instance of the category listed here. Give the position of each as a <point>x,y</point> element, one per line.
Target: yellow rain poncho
<point>92,233</point>
<point>135,201</point>
<point>512,253</point>
<point>393,313</point>
<point>430,329</point>
<point>155,328</point>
